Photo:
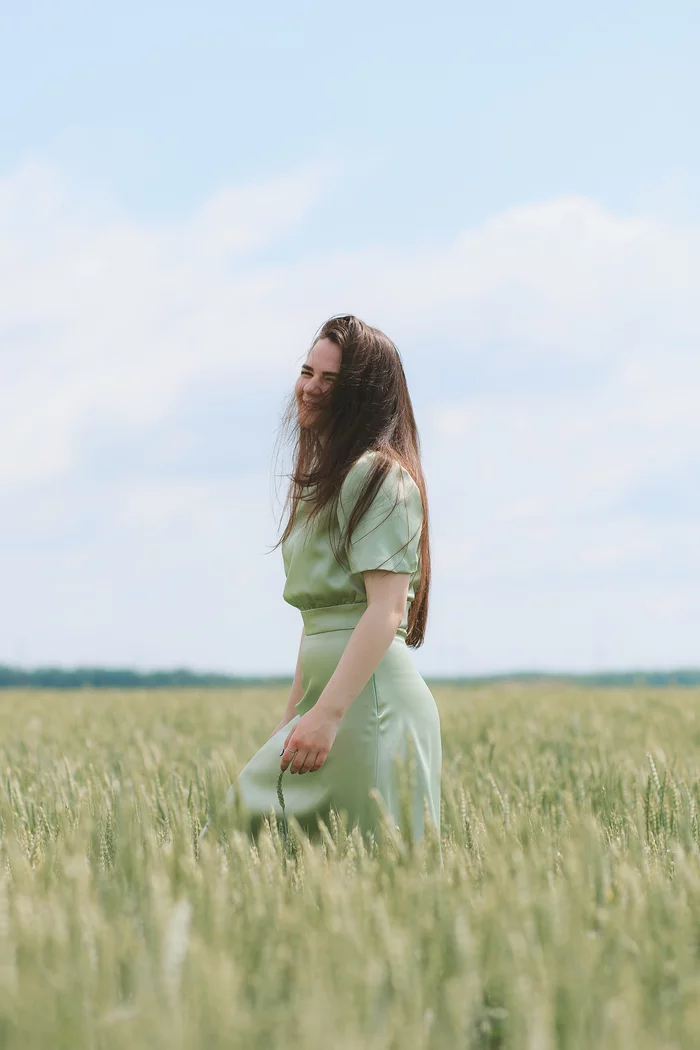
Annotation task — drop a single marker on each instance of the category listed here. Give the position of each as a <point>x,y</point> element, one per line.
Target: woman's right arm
<point>295,693</point>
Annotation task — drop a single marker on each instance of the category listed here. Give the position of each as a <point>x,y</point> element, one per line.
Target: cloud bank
<point>553,358</point>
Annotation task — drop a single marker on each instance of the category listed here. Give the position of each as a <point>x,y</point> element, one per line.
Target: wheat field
<point>565,914</point>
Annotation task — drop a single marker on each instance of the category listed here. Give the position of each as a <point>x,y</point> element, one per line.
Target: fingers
<point>292,758</point>
<point>309,762</point>
<point>287,754</point>
<point>313,762</point>
<point>300,761</point>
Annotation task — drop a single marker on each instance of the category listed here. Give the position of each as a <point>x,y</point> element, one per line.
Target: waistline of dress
<point>338,618</point>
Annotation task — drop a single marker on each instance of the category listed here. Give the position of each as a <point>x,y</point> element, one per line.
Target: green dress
<point>394,710</point>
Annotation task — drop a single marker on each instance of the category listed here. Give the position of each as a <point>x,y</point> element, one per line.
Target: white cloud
<point>107,323</point>
<point>101,319</point>
<point>578,452</point>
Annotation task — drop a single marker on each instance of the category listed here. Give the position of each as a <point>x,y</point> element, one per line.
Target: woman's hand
<point>312,738</point>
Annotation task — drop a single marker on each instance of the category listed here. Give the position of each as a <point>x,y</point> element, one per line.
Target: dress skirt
<point>394,714</point>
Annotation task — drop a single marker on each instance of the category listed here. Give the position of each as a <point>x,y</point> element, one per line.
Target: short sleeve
<point>388,534</point>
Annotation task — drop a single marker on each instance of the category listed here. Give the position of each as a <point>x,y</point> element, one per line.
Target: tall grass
<point>565,913</point>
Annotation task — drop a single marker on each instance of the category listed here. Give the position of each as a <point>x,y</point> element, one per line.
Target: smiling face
<point>318,374</point>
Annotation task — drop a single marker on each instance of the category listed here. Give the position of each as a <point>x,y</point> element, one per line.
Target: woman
<point>357,564</point>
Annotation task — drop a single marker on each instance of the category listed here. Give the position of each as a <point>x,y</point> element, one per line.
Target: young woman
<point>357,564</point>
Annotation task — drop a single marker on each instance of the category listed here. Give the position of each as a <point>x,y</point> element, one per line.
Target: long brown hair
<point>368,407</point>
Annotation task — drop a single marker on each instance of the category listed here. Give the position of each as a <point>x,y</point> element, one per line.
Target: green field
<point>566,915</point>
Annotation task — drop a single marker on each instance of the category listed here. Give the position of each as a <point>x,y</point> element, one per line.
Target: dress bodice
<point>386,537</point>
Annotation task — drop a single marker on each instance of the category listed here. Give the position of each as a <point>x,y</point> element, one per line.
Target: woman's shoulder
<point>397,482</point>
<point>396,469</point>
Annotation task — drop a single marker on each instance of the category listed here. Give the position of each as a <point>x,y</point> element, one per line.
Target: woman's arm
<point>369,641</point>
<point>295,693</point>
<point>312,737</point>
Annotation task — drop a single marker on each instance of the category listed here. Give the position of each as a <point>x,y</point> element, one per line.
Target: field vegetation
<point>565,912</point>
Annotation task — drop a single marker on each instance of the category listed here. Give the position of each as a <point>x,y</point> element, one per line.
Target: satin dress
<point>394,713</point>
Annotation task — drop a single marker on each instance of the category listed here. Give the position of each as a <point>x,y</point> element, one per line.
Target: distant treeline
<point>115,678</point>
<point>109,678</point>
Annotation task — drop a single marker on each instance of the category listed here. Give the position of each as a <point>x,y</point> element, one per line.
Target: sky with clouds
<point>512,192</point>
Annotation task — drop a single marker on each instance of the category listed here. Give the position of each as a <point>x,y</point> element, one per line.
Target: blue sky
<point>437,114</point>
<point>511,191</point>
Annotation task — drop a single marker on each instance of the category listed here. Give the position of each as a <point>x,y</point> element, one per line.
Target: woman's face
<point>318,373</point>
